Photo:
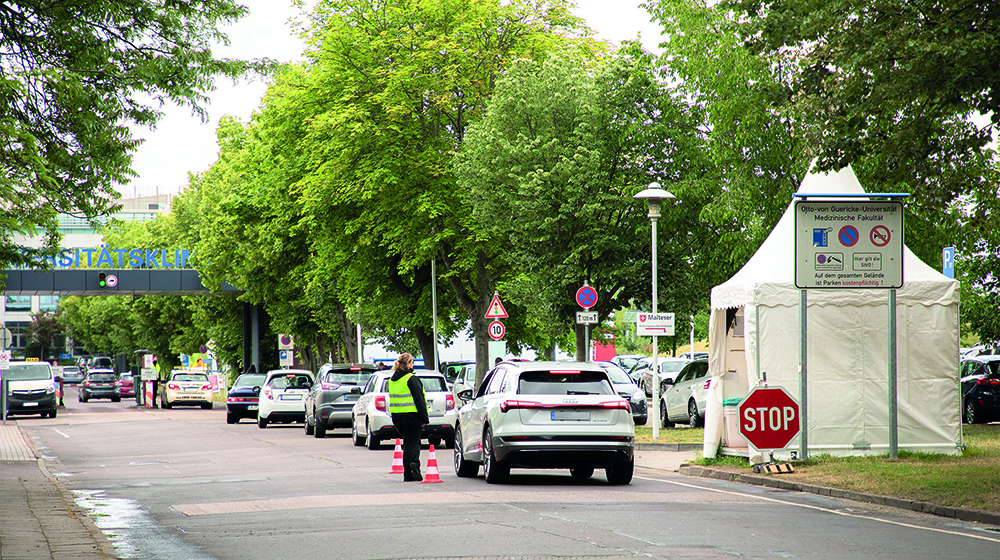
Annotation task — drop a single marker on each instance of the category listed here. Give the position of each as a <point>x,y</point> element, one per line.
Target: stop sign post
<point>769,418</point>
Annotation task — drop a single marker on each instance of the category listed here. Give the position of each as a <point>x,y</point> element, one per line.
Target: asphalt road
<point>182,484</point>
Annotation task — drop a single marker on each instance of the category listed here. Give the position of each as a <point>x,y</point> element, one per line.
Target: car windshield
<point>249,380</point>
<point>348,377</point>
<point>102,377</point>
<point>196,377</point>
<point>627,363</point>
<point>433,384</point>
<point>616,373</point>
<point>672,367</point>
<point>27,372</point>
<point>564,383</point>
<point>291,381</point>
<point>102,362</point>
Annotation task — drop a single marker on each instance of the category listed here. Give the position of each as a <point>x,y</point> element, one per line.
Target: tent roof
<point>768,278</point>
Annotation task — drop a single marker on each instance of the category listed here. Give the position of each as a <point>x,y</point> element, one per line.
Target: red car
<point>127,385</point>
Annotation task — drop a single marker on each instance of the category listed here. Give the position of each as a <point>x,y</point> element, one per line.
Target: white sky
<point>182,144</point>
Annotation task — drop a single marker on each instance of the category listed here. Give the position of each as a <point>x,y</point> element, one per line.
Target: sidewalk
<point>38,518</point>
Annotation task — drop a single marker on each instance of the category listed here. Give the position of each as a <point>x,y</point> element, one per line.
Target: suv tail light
<point>206,387</point>
<point>380,403</point>
<point>267,392</point>
<point>86,383</point>
<point>622,404</point>
<point>512,404</point>
<point>987,381</point>
<point>327,386</point>
<point>707,383</point>
<point>173,386</point>
<point>449,402</point>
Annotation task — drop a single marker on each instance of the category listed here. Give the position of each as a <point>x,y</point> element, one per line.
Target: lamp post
<point>654,197</point>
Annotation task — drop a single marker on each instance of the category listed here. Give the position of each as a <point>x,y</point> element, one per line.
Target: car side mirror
<point>465,394</point>
<point>356,391</point>
<point>256,389</point>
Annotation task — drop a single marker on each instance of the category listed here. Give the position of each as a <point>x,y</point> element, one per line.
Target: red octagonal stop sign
<point>769,418</point>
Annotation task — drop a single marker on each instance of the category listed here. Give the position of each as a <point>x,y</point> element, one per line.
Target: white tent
<point>847,350</point>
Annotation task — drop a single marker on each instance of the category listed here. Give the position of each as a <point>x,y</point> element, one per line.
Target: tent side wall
<point>847,367</point>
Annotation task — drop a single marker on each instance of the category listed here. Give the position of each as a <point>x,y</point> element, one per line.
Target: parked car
<point>127,384</point>
<point>72,375</point>
<point>557,415</point>
<point>628,390</point>
<point>31,388</point>
<point>283,396</point>
<point>241,400</point>
<point>371,423</point>
<point>626,361</point>
<point>683,399</point>
<point>669,368</point>
<point>453,368</point>
<point>100,384</point>
<point>331,399</point>
<point>694,356</point>
<point>186,387</point>
<point>980,382</point>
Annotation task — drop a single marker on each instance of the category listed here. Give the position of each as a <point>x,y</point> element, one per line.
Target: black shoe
<point>415,472</point>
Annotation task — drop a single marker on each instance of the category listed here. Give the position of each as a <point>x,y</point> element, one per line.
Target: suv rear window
<point>348,377</point>
<point>198,377</point>
<point>559,383</point>
<point>103,377</point>
<point>433,384</point>
<point>290,382</point>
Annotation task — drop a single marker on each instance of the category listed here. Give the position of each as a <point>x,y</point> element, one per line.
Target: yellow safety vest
<point>400,398</point>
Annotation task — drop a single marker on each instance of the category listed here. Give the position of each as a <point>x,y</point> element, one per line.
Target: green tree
<point>43,332</point>
<point>75,76</point>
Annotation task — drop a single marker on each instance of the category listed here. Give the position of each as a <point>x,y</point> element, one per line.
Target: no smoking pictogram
<point>848,236</point>
<point>880,236</point>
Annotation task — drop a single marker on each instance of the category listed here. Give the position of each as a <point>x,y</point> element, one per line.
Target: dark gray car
<point>331,399</point>
<point>101,384</point>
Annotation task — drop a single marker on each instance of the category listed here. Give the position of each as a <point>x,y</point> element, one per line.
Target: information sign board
<point>848,245</point>
<point>654,324</point>
<point>586,317</point>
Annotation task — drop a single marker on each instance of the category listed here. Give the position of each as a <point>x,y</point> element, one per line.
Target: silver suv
<point>551,415</point>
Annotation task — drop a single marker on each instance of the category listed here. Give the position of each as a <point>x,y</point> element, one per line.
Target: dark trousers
<point>409,426</point>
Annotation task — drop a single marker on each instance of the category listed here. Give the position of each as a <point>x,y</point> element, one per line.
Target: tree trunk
<point>426,342</point>
<point>348,334</point>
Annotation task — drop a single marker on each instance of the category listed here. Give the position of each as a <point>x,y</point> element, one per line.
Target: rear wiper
<point>580,393</point>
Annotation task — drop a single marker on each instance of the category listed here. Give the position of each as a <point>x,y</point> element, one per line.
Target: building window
<point>18,303</point>
<point>48,303</point>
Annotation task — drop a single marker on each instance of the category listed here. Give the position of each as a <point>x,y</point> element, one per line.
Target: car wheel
<point>373,442</point>
<point>449,442</point>
<point>232,418</point>
<point>261,422</point>
<point>117,399</point>
<point>971,414</point>
<point>53,414</point>
<point>309,427</point>
<point>494,470</point>
<point>207,406</point>
<point>358,439</point>
<point>694,420</point>
<point>620,473</point>
<point>463,468</point>
<point>434,440</point>
<point>582,472</point>
<point>664,419</point>
<point>320,429</point>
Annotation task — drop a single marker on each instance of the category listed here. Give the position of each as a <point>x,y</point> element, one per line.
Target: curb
<point>104,545</point>
<point>963,514</point>
<point>668,446</point>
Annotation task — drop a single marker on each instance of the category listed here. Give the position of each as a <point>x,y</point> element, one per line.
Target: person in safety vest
<point>408,408</point>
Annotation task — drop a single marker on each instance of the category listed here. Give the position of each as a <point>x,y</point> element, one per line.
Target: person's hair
<point>404,360</point>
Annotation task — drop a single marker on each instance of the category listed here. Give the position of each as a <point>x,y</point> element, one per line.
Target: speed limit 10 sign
<point>497,330</point>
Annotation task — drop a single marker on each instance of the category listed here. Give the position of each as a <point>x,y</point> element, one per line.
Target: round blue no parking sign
<point>586,297</point>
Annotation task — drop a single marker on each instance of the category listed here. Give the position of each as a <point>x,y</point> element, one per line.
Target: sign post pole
<point>803,393</point>
<point>893,404</point>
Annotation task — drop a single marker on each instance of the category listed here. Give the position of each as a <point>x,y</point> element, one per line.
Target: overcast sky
<point>182,144</point>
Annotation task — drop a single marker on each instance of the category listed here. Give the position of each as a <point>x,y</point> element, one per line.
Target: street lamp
<point>654,197</point>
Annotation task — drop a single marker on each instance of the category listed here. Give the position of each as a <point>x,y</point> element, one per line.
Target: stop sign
<point>769,418</point>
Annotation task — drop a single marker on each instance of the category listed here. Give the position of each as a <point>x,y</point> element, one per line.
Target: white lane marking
<point>828,510</point>
<point>60,433</point>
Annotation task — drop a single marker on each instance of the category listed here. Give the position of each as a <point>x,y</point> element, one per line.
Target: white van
<point>32,389</point>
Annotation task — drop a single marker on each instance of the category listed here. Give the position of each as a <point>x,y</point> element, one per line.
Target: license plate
<point>291,397</point>
<point>30,404</point>
<point>191,388</point>
<point>252,407</point>
<point>571,415</point>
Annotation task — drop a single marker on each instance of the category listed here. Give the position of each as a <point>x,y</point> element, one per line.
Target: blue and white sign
<point>949,262</point>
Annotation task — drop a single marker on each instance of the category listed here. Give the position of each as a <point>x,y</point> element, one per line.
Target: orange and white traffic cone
<point>432,468</point>
<point>397,459</point>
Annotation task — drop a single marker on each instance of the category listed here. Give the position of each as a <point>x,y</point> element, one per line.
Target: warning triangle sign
<point>496,310</point>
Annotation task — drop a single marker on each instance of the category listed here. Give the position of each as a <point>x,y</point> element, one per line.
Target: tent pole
<point>893,404</point>
<point>804,426</point>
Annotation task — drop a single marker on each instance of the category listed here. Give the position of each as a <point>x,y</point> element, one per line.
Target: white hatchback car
<point>683,400</point>
<point>186,387</point>
<point>371,423</point>
<point>550,415</point>
<point>283,396</point>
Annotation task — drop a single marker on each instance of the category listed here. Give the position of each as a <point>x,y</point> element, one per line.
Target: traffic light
<point>102,279</point>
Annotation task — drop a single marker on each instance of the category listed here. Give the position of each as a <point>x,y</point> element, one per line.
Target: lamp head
<point>654,196</point>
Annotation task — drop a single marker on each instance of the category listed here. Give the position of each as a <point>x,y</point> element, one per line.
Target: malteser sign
<point>848,245</point>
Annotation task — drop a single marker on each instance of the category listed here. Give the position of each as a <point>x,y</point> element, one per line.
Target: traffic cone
<point>432,468</point>
<point>397,459</point>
